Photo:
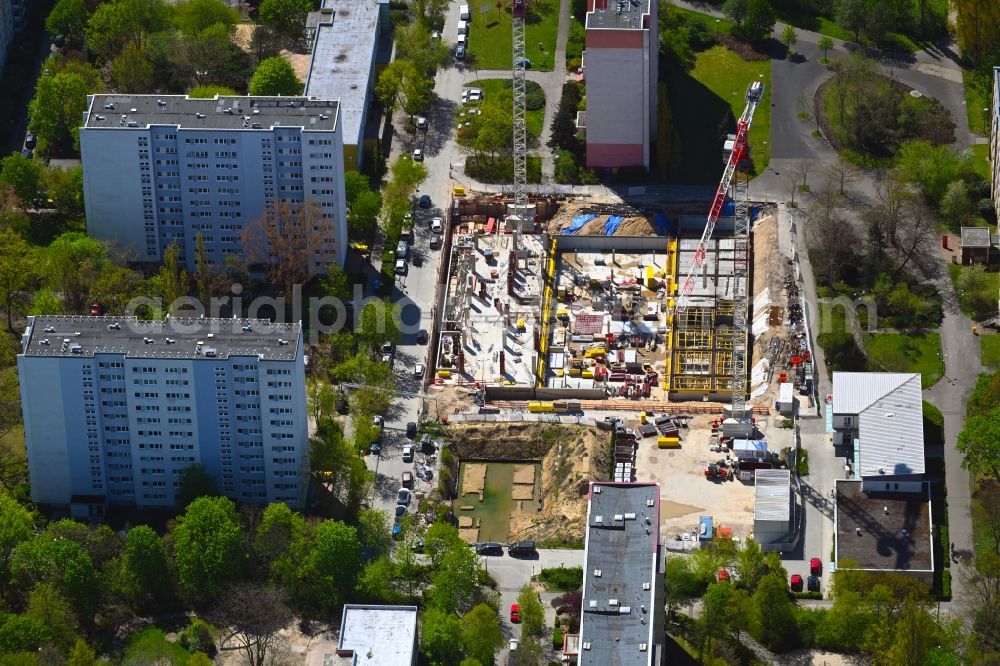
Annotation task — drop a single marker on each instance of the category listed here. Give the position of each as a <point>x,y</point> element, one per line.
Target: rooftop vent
<point>170,341</point>
<point>586,645</point>
<point>625,610</point>
<point>597,573</point>
<point>50,329</point>
<point>76,349</point>
<point>629,516</point>
<point>133,110</point>
<point>612,602</point>
<point>110,106</point>
<point>133,123</point>
<point>283,343</point>
<point>619,516</point>
<point>645,586</point>
<point>148,341</point>
<point>100,117</point>
<point>210,351</point>
<point>598,520</point>
<point>597,489</point>
<point>211,335</point>
<point>642,647</point>
<point>77,334</point>
<point>160,102</point>
<point>593,603</point>
<point>650,502</point>
<point>199,115</point>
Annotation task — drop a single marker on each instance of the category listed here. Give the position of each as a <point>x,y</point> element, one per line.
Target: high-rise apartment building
<point>160,170</point>
<point>116,408</point>
<point>620,65</point>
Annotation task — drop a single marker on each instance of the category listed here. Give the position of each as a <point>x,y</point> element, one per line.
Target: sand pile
<point>630,226</point>
<point>473,478</point>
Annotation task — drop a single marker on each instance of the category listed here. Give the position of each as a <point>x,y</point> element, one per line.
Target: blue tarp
<point>663,226</point>
<point>728,208</point>
<point>611,226</point>
<point>578,223</point>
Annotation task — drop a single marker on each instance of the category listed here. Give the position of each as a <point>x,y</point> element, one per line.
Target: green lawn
<point>976,100</point>
<point>989,349</point>
<point>491,87</point>
<point>820,24</point>
<point>490,37</point>
<point>719,79</point>
<point>150,647</point>
<point>981,159</point>
<point>907,352</point>
<point>982,302</point>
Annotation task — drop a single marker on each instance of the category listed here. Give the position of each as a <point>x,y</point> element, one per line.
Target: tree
<point>114,24</point>
<point>736,10</point>
<point>373,532</point>
<point>788,38</point>
<point>81,655</point>
<point>979,443</point>
<point>193,16</point>
<point>931,168</point>
<point>254,617</point>
<point>16,273</point>
<point>275,76</point>
<point>198,659</point>
<point>286,17</point>
<point>15,528</point>
<point>22,633</point>
<point>173,277</point>
<point>202,272</point>
<point>61,562</point>
<point>55,111</point>
<point>563,134</point>
<point>379,323</point>
<point>455,584</point>
<point>481,636</point>
<point>72,264</point>
<point>291,242</point>
<point>64,188</point>
<point>956,204</point>
<point>852,15</point>
<point>207,547</point>
<point>681,583</point>
<point>67,18</point>
<point>47,606</point>
<point>978,27</point>
<point>144,566</point>
<point>759,21</point>
<point>362,215</point>
<point>389,86</point>
<point>532,613</point>
<point>825,44</point>
<point>331,567</point>
<point>210,90</point>
<point>750,564</point>
<point>773,622</point>
<point>281,542</point>
<point>22,174</point>
<point>131,69</point>
<point>442,634</point>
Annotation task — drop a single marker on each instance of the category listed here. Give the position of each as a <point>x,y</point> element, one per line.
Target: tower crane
<point>741,271</point>
<point>520,148</point>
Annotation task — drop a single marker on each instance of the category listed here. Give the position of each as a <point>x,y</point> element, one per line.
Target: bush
<point>557,638</point>
<point>197,637</point>
<point>563,579</point>
<point>534,96</point>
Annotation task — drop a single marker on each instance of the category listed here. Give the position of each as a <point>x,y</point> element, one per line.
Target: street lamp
<point>717,22</point>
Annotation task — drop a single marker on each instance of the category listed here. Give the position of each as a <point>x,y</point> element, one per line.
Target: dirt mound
<point>571,456</point>
<point>630,226</point>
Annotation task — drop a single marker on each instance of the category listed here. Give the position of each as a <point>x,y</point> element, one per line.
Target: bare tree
<point>913,238</point>
<point>843,173</point>
<point>252,616</point>
<point>833,246</point>
<point>292,242</point>
<point>802,169</point>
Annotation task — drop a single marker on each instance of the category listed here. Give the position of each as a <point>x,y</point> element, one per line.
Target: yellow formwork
<point>694,339</point>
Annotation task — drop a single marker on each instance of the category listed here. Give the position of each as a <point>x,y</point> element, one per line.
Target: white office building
<point>159,170</point>
<point>116,408</point>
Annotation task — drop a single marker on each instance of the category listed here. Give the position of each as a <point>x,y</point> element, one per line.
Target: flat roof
<point>976,237</point>
<point>618,14</point>
<point>220,112</point>
<point>379,635</point>
<point>341,61</point>
<point>881,519</point>
<point>174,337</point>
<point>889,407</point>
<point>772,495</point>
<point>619,577</point>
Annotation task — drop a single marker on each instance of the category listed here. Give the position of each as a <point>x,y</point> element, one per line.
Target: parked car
<point>422,337</point>
<point>472,95</point>
<point>411,430</point>
<point>397,531</point>
<point>407,479</point>
<point>400,267</point>
<point>522,549</point>
<point>426,443</point>
<point>418,155</point>
<point>815,566</point>
<point>96,309</point>
<point>436,241</point>
<point>460,52</point>
<point>515,612</point>
<point>378,421</point>
<point>375,449</point>
<point>402,248</point>
<point>30,141</point>
<point>400,512</point>
<point>436,225</point>
<point>421,123</point>
<point>489,548</point>
<point>796,583</point>
<point>424,201</point>
<point>403,497</point>
<point>408,453</point>
<point>812,583</point>
<point>513,645</point>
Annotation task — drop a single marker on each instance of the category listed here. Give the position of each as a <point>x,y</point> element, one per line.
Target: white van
<point>463,12</point>
<point>463,27</point>
<point>462,41</point>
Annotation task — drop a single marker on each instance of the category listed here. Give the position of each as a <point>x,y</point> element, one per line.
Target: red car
<point>815,566</point>
<point>515,612</point>
<point>796,583</point>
